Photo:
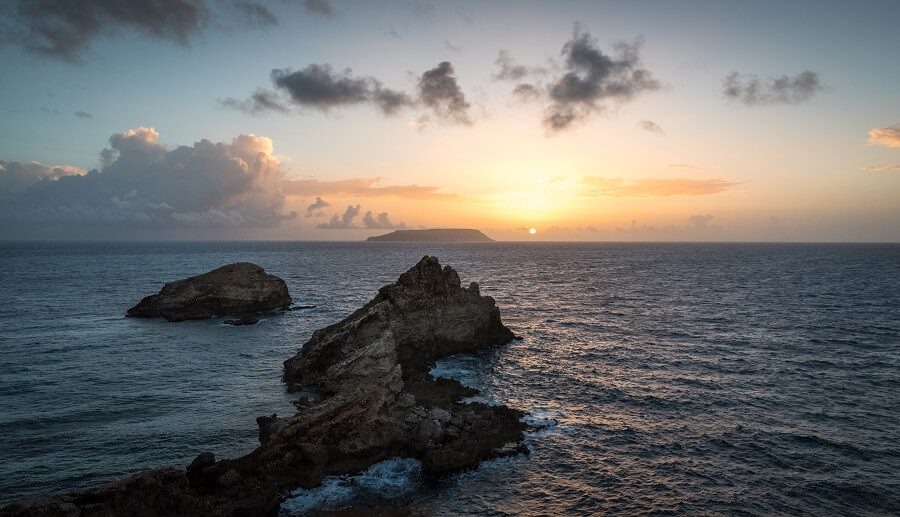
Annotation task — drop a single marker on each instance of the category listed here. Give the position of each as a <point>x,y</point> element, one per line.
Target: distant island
<point>433,235</point>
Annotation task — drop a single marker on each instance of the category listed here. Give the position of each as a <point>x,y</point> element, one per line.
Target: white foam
<point>382,481</point>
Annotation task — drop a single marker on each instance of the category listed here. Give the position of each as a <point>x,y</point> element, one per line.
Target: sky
<point>333,120</point>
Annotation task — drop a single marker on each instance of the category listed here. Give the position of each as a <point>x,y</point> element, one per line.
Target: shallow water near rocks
<point>658,378</point>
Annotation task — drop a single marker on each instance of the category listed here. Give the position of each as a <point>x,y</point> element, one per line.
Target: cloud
<point>16,176</point>
<point>527,92</point>
<point>344,222</point>
<point>314,209</point>
<point>683,165</point>
<point>653,127</point>
<point>882,168</point>
<point>382,222</point>
<point>593,79</point>
<point>320,7</point>
<point>143,182</point>
<point>507,69</point>
<point>362,187</point>
<point>778,90</point>
<point>83,114</point>
<point>65,29</point>
<point>700,222</point>
<point>320,87</point>
<point>596,186</point>
<point>696,226</point>
<point>260,101</point>
<point>439,91</point>
<point>467,17</point>
<point>255,13</point>
<point>888,136</point>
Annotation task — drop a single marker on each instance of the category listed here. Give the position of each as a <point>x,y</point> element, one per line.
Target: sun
<point>532,231</point>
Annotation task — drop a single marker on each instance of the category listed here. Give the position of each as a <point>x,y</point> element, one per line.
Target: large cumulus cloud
<point>143,182</point>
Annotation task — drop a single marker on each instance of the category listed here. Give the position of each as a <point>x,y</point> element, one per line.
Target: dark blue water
<point>661,378</point>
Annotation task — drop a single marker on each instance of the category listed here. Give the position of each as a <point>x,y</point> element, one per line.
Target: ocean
<point>658,378</point>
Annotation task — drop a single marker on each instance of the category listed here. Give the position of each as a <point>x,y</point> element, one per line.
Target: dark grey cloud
<point>593,79</point>
<point>439,91</point>
<point>777,90</point>
<point>321,87</point>
<point>381,222</point>
<point>260,101</point>
<point>256,13</point>
<point>390,101</point>
<point>65,28</point>
<point>144,183</point>
<point>314,210</point>
<point>83,114</point>
<point>653,127</point>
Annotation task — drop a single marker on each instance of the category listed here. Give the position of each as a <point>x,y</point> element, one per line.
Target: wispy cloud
<point>781,89</point>
<point>362,187</point>
<point>652,127</point>
<point>597,186</point>
<point>887,136</point>
<point>255,13</point>
<point>882,168</point>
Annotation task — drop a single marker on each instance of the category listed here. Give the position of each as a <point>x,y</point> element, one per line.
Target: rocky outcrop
<point>374,400</point>
<point>238,288</point>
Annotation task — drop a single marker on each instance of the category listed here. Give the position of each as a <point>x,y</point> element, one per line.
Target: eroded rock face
<point>239,288</point>
<point>375,400</point>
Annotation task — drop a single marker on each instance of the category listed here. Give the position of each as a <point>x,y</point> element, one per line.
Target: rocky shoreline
<point>374,400</point>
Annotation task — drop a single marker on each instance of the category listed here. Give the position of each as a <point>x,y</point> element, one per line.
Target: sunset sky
<point>330,120</point>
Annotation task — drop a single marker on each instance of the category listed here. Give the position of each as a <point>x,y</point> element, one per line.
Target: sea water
<point>657,378</point>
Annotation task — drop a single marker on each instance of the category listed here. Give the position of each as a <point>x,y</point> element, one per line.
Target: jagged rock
<point>238,288</point>
<point>374,400</point>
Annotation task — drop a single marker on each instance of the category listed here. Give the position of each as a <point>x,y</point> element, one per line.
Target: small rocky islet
<point>374,399</point>
<point>236,289</point>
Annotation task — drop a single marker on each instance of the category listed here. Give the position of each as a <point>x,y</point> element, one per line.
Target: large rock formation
<point>374,400</point>
<point>238,288</point>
